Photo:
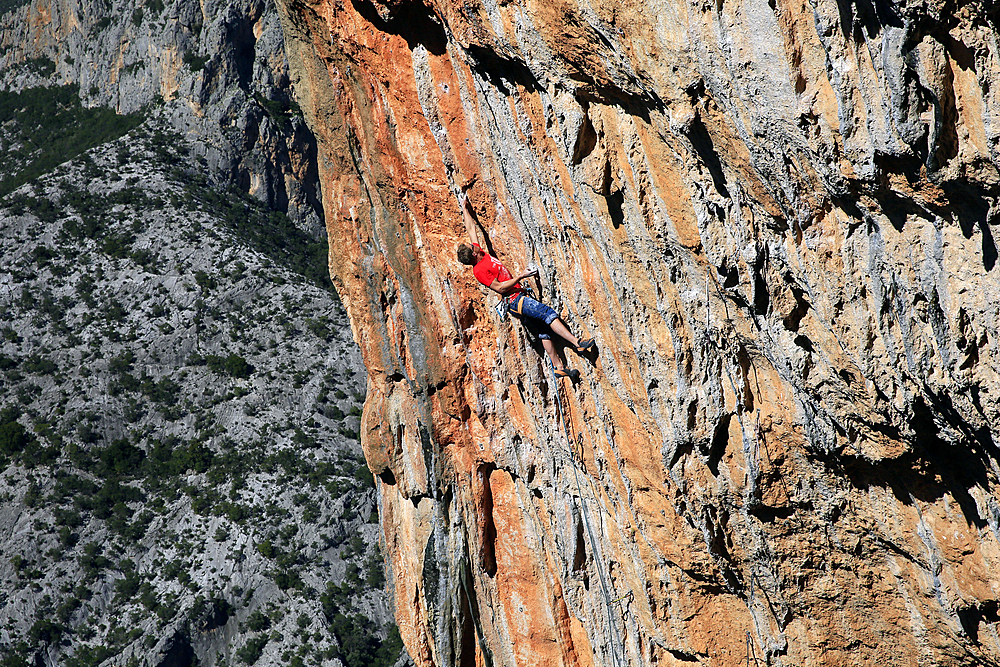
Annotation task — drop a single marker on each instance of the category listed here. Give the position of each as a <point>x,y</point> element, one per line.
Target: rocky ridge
<point>777,219</point>
<point>217,68</point>
<point>182,479</point>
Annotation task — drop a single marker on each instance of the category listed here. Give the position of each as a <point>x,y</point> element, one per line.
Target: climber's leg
<point>563,332</point>
<point>540,330</point>
<point>550,349</point>
<point>536,310</point>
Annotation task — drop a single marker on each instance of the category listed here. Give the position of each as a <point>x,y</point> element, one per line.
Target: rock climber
<point>538,318</point>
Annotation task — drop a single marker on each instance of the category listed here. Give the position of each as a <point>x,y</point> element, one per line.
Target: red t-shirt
<point>490,268</point>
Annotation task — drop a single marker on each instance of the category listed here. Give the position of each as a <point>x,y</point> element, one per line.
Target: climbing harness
<point>513,303</point>
<point>619,655</point>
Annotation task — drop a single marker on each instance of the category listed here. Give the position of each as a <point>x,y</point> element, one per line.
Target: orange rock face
<point>777,221</point>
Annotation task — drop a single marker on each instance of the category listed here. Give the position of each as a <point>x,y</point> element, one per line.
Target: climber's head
<point>468,255</point>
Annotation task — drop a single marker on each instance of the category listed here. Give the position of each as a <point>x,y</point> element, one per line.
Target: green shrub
<point>285,579</point>
<point>38,365</point>
<point>136,530</point>
<point>375,571</point>
<point>235,512</point>
<point>163,391</point>
<point>311,512</point>
<point>42,255</point>
<point>258,621</point>
<point>91,560</point>
<point>171,457</point>
<point>72,485</point>
<point>205,281</point>
<point>122,364</point>
<point>250,652</point>
<point>267,549</point>
<point>364,475</point>
<point>66,518</point>
<point>166,612</point>
<point>90,656</point>
<point>279,111</point>
<point>195,62</point>
<point>121,459</point>
<point>45,630</point>
<point>148,598</point>
<point>147,259</point>
<point>173,569</point>
<point>233,365</point>
<point>9,6</point>
<point>115,313</point>
<point>13,438</point>
<point>67,537</point>
<point>127,587</point>
<point>110,495</point>
<point>118,245</point>
<point>359,646</point>
<point>43,66</point>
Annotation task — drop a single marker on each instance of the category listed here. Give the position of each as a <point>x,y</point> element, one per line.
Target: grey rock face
<point>218,68</point>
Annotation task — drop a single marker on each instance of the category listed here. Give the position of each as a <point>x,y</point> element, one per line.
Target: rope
<point>618,655</point>
<point>464,576</point>
<point>751,651</point>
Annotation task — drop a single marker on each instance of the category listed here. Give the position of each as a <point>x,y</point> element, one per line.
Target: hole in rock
<point>586,140</point>
<point>720,440</point>
<point>580,550</point>
<point>488,538</point>
<point>972,617</point>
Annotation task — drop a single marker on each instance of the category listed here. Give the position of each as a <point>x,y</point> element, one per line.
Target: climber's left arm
<point>469,216</point>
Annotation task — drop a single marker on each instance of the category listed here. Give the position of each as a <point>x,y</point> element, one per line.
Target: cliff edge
<point>777,219</point>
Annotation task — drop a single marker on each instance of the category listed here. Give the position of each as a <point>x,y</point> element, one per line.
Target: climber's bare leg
<point>550,349</point>
<point>560,329</point>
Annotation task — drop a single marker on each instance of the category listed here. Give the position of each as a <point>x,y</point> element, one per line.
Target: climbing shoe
<point>585,345</point>
<point>570,373</point>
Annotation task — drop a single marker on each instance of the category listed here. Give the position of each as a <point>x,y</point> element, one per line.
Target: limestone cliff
<point>777,219</point>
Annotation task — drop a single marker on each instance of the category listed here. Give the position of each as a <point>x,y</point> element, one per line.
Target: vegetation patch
<point>269,232</point>
<point>10,5</point>
<point>52,126</point>
<point>195,62</point>
<point>281,112</point>
<point>151,473</point>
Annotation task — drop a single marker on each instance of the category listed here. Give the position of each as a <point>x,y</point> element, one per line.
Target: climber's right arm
<point>508,286</point>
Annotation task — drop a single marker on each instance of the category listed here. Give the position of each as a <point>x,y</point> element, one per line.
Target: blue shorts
<point>535,315</point>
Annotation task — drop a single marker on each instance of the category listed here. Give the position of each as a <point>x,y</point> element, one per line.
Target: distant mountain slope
<point>179,404</point>
<point>218,70</point>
